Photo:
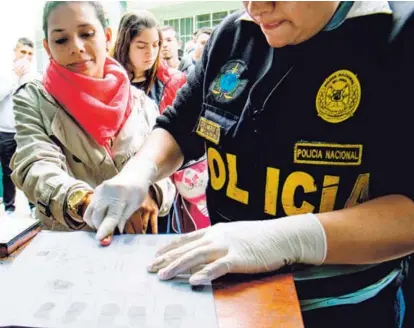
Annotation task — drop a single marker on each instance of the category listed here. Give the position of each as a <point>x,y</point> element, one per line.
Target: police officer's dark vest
<point>302,129</point>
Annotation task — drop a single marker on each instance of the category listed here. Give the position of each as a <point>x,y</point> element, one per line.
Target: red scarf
<point>100,106</point>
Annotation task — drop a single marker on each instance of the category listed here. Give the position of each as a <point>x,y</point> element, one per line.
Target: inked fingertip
<point>106,241</point>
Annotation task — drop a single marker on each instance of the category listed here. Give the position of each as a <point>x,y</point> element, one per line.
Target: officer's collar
<point>353,9</point>
<point>340,15</point>
<point>346,10</point>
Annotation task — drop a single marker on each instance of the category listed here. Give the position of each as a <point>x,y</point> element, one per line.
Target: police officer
<point>297,106</point>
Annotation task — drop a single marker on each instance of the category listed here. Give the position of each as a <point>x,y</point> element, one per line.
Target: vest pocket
<point>214,123</point>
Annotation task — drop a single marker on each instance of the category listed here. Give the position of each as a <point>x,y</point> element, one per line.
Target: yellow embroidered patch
<point>208,130</point>
<point>327,154</point>
<point>339,96</point>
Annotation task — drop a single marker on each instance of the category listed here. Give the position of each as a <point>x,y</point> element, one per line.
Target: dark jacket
<point>187,64</point>
<point>301,114</point>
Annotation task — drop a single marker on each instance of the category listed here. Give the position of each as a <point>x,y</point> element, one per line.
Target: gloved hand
<point>116,199</point>
<point>243,247</point>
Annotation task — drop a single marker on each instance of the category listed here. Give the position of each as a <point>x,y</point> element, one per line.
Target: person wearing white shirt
<point>9,82</point>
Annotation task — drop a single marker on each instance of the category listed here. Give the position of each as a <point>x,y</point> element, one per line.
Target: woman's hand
<point>139,220</point>
<point>86,203</point>
<point>116,199</point>
<point>146,214</point>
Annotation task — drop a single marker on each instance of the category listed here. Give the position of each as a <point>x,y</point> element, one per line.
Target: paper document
<point>4,265</point>
<point>68,280</point>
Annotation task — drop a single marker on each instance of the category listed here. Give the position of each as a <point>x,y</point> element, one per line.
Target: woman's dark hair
<point>51,5</point>
<point>131,25</point>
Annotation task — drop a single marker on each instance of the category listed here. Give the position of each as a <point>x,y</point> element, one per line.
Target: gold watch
<point>75,202</point>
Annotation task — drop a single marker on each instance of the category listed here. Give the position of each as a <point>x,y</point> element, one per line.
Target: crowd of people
<point>285,128</point>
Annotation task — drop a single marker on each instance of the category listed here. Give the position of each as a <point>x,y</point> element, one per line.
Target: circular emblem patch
<point>228,84</point>
<point>339,96</point>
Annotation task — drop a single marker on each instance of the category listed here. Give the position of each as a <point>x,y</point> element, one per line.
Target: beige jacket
<point>55,157</point>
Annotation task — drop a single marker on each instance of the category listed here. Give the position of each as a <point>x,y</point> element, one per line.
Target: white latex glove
<point>243,247</point>
<point>116,199</point>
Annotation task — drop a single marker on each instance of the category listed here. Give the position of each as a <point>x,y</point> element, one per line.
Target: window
<point>186,29</point>
<point>218,17</point>
<point>185,26</point>
<point>203,21</point>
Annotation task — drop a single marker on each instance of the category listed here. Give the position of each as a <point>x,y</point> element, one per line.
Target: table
<point>252,302</point>
<point>264,301</point>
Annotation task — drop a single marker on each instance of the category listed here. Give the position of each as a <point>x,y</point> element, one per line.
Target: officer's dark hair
<point>52,5</point>
<point>26,42</point>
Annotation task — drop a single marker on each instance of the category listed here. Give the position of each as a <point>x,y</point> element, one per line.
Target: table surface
<point>242,301</point>
<point>252,302</point>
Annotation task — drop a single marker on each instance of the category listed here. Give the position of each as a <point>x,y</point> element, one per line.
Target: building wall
<point>187,8</point>
<point>187,16</point>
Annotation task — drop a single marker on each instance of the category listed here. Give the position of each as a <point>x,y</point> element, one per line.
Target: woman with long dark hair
<point>138,48</point>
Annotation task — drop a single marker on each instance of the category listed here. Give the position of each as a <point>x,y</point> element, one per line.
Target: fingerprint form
<point>43,253</point>
<point>180,286</point>
<point>108,313</point>
<point>62,284</point>
<point>128,239</point>
<point>44,310</point>
<point>74,312</point>
<point>149,240</point>
<point>173,316</point>
<point>137,316</point>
